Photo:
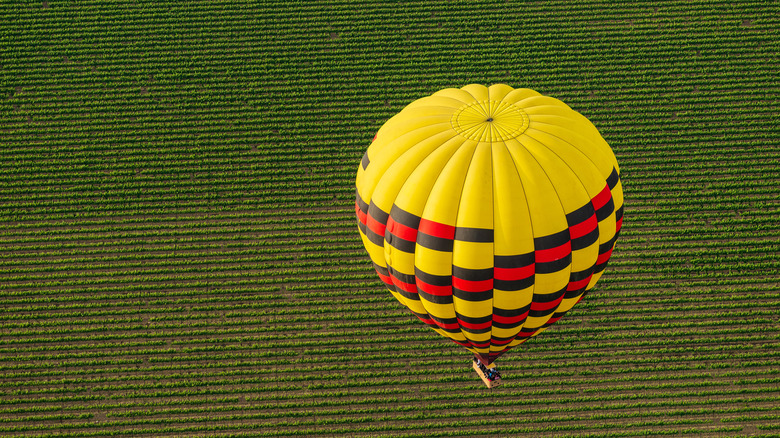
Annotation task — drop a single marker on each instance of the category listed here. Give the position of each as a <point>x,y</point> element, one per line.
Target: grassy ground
<point>179,254</point>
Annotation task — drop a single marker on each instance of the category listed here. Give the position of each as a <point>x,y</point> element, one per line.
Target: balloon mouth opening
<point>489,119</point>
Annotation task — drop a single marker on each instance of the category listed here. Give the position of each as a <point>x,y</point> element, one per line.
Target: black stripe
<point>472,320</point>
<point>378,214</point>
<point>381,269</point>
<point>437,299</point>
<point>407,295</point>
<point>586,240</point>
<point>574,293</point>
<point>513,261</point>
<point>405,278</point>
<point>600,267</point>
<point>553,266</point>
<point>511,313</point>
<point>434,280</point>
<point>613,179</point>
<point>541,313</point>
<point>473,234</point>
<point>432,242</point>
<point>513,285</point>
<point>361,203</point>
<point>480,320</point>
<point>528,330</point>
<point>472,274</point>
<point>605,210</point>
<point>580,215</point>
<point>580,275</point>
<point>475,331</point>
<point>508,326</point>
<point>495,340</point>
<point>444,321</point>
<point>552,240</point>
<point>619,213</point>
<point>403,217</point>
<point>424,316</point>
<point>362,227</point>
<point>398,243</point>
<point>473,296</point>
<point>606,246</point>
<point>374,238</point>
<point>549,298</point>
<point>364,162</point>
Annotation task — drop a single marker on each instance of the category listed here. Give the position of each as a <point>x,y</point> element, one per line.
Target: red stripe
<point>411,288</point>
<point>500,343</point>
<point>547,306</point>
<point>480,344</point>
<point>441,291</point>
<point>472,286</point>
<point>375,226</point>
<point>466,344</point>
<point>510,319</point>
<point>553,320</point>
<point>361,216</point>
<point>483,325</point>
<point>374,138</point>
<point>428,321</point>
<point>401,230</point>
<point>602,198</point>
<point>583,227</point>
<point>603,257</point>
<point>385,278</point>
<point>450,326</point>
<point>619,224</point>
<point>552,254</point>
<point>510,274</point>
<point>436,229</point>
<point>576,285</point>
<point>525,335</point>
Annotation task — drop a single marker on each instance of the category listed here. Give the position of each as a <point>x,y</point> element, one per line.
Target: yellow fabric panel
<point>398,174</point>
<point>480,92</point>
<point>530,102</point>
<point>588,174</point>
<point>518,95</point>
<point>455,94</point>
<point>437,101</point>
<point>571,189</point>
<point>547,215</point>
<point>565,119</point>
<point>413,305</point>
<point>594,279</point>
<point>444,195</point>
<point>472,255</point>
<point>497,92</point>
<point>568,303</point>
<point>376,252</point>
<point>401,261</point>
<point>617,195</point>
<point>512,232</point>
<point>475,209</point>
<point>432,261</point>
<point>385,151</point>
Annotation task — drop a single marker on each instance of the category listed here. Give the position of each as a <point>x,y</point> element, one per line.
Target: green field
<point>179,253</point>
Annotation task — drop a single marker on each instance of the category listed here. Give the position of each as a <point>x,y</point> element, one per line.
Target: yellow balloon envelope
<point>489,212</point>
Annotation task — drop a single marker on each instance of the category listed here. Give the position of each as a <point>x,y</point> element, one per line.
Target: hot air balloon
<point>489,212</point>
